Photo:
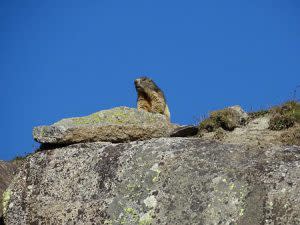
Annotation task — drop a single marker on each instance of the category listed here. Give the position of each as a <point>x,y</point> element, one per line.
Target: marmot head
<point>143,82</point>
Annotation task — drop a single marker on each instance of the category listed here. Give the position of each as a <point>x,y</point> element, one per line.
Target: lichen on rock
<point>7,172</point>
<point>158,181</point>
<point>5,200</point>
<point>119,124</point>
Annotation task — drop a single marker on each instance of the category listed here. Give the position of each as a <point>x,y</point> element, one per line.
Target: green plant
<point>285,115</point>
<point>225,118</point>
<point>281,122</point>
<point>257,114</point>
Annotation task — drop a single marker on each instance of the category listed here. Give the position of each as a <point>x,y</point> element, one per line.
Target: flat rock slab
<point>159,181</point>
<point>185,131</point>
<point>119,124</point>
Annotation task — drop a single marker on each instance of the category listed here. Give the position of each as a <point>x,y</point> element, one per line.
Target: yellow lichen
<point>156,169</point>
<point>108,222</point>
<point>133,187</point>
<point>6,199</point>
<point>146,219</point>
<point>242,212</point>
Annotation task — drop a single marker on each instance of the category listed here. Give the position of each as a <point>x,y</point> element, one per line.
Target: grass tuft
<point>284,116</point>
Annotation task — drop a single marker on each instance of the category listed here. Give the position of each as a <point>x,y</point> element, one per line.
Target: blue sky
<point>63,59</point>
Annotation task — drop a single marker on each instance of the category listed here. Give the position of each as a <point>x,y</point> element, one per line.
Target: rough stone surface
<point>163,181</point>
<point>240,112</point>
<point>7,171</point>
<point>255,134</point>
<point>119,124</point>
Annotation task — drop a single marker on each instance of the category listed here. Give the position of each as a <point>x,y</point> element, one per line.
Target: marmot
<point>150,97</point>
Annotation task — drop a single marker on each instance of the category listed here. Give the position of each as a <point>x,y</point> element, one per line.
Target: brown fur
<point>150,97</point>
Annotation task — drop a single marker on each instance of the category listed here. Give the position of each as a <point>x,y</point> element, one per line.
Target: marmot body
<point>150,97</point>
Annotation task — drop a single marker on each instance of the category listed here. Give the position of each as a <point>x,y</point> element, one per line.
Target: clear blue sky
<point>63,59</point>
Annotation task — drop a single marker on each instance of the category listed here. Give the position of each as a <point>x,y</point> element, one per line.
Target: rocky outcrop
<point>227,119</point>
<point>119,124</point>
<point>122,166</point>
<point>7,171</point>
<point>158,181</point>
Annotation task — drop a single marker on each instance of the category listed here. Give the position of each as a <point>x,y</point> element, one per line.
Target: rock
<point>158,181</point>
<point>119,124</point>
<point>184,131</point>
<point>240,113</point>
<point>7,171</point>
<point>227,119</point>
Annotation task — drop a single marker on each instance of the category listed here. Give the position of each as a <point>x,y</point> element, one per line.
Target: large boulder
<point>158,181</point>
<point>119,124</point>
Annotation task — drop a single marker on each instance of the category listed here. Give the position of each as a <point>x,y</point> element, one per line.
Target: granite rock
<point>119,124</point>
<point>158,181</point>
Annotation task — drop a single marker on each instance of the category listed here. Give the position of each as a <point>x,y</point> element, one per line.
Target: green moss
<point>119,115</point>
<point>92,119</point>
<point>5,200</point>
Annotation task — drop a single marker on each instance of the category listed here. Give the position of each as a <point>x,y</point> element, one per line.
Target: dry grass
<point>285,115</point>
